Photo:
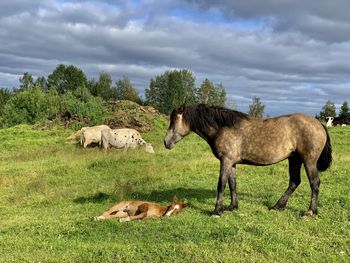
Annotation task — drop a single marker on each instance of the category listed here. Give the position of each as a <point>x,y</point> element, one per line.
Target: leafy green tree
<point>82,93</point>
<point>256,109</point>
<point>41,83</point>
<point>125,91</point>
<point>26,81</point>
<point>5,95</point>
<point>67,78</point>
<point>328,110</point>
<point>211,94</point>
<point>171,90</point>
<point>103,87</point>
<point>92,87</point>
<point>344,111</point>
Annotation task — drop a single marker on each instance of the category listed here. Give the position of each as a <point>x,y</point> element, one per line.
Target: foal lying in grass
<point>133,210</point>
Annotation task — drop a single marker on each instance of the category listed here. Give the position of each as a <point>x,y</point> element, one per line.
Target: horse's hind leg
<point>132,218</point>
<point>110,215</point>
<point>117,211</point>
<point>232,185</point>
<point>294,180</point>
<point>312,174</point>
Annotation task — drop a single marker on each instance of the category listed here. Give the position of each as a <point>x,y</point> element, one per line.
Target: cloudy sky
<point>293,54</point>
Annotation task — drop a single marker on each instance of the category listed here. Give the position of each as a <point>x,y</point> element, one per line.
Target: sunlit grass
<point>49,189</point>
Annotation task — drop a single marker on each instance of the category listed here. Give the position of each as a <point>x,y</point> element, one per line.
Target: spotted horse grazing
<point>134,210</point>
<point>124,139</point>
<point>236,138</point>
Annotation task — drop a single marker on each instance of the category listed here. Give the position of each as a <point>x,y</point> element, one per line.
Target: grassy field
<point>49,189</point>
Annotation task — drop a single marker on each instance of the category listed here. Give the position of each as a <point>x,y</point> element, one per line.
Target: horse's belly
<point>266,154</point>
<point>118,143</point>
<point>262,160</point>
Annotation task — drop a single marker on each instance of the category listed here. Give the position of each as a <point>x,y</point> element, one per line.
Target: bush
<point>31,106</point>
<point>5,95</point>
<point>90,109</point>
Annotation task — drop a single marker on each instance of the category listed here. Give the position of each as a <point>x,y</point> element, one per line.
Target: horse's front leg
<point>232,185</point>
<point>225,173</point>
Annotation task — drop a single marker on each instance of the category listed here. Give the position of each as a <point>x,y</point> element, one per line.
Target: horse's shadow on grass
<point>198,194</point>
<point>192,196</point>
<point>154,196</point>
<point>96,198</point>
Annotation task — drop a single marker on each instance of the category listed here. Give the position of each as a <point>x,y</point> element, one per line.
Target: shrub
<point>5,95</point>
<point>89,108</point>
<point>31,106</point>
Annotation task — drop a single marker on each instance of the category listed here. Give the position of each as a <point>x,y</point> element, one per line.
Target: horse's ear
<point>175,199</point>
<point>181,109</point>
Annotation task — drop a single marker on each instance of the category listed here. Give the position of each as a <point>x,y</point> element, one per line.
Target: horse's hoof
<point>231,208</point>
<point>217,213</point>
<point>97,218</point>
<point>276,208</point>
<point>124,219</point>
<point>309,213</point>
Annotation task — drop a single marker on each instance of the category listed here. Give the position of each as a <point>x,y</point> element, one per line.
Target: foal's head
<point>175,207</point>
<point>178,128</point>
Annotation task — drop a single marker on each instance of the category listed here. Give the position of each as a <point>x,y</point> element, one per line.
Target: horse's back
<point>268,141</point>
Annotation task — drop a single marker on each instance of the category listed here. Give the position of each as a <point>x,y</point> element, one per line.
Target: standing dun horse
<point>236,138</point>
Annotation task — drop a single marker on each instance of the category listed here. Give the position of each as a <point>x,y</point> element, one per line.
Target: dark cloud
<point>325,20</point>
<point>284,52</point>
<point>8,8</point>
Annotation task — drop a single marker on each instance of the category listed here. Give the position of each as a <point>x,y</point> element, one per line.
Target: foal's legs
<point>312,174</point>
<point>294,180</point>
<point>132,218</point>
<point>116,211</point>
<point>232,185</point>
<point>110,215</point>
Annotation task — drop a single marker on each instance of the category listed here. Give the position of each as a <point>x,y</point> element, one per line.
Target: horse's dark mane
<point>202,117</point>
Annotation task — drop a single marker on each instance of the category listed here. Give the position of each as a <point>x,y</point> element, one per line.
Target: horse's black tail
<point>325,160</point>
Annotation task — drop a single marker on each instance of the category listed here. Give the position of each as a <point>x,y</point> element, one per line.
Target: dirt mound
<point>119,114</point>
<point>128,114</point>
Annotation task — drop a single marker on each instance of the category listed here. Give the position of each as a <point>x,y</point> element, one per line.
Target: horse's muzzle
<point>168,145</point>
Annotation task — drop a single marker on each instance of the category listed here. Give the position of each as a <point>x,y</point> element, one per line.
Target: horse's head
<point>178,128</point>
<point>175,207</point>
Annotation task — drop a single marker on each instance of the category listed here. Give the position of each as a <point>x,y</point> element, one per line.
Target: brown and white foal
<point>133,210</point>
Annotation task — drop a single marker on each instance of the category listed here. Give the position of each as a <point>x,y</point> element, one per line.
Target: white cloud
<point>288,58</point>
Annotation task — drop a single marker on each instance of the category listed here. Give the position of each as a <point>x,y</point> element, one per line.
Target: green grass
<point>49,189</point>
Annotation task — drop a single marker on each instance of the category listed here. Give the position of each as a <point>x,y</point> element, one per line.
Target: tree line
<point>256,109</point>
<point>68,90</point>
<point>329,110</point>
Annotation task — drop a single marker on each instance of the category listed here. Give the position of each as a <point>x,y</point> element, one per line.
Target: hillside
<point>128,114</point>
<point>117,114</point>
